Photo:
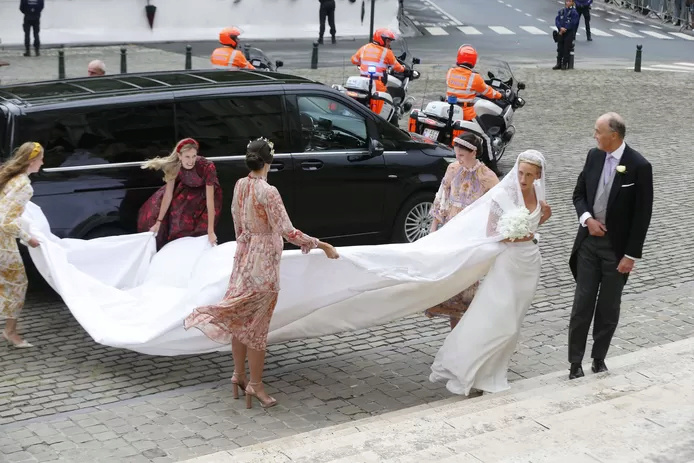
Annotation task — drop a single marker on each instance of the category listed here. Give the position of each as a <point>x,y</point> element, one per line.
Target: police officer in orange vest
<point>228,57</point>
<point>377,54</point>
<point>466,84</point>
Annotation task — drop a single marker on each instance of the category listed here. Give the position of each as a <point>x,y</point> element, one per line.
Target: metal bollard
<point>61,63</point>
<point>637,62</point>
<point>314,56</point>
<point>189,57</point>
<point>123,60</point>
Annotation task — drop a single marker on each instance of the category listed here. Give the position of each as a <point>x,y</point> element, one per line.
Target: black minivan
<point>345,174</point>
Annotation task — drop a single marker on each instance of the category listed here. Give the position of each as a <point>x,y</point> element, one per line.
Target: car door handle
<point>276,166</point>
<point>311,165</point>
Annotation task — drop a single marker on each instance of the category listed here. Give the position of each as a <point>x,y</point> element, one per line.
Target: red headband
<point>186,142</point>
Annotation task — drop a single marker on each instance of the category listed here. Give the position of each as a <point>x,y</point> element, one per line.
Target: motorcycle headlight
<point>521,102</point>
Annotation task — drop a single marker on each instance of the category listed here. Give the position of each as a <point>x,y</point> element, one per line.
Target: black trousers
<point>30,24</point>
<point>598,295</point>
<point>327,10</point>
<point>585,12</point>
<point>564,44</point>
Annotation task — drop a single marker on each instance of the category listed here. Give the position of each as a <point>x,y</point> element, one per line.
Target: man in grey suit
<point>614,201</point>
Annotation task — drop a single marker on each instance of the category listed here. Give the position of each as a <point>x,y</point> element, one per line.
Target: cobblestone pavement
<point>71,399</point>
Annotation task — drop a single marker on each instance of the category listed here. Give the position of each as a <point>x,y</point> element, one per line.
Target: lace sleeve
<point>438,210</point>
<point>495,213</point>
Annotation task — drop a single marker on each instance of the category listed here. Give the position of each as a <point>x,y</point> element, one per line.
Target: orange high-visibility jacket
<point>229,58</point>
<point>378,56</point>
<point>466,84</point>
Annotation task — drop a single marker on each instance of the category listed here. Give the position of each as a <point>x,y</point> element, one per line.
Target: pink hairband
<point>464,143</point>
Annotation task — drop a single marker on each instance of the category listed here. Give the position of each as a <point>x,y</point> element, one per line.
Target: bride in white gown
<point>477,352</point>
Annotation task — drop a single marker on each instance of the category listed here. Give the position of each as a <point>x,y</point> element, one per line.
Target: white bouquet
<point>515,224</point>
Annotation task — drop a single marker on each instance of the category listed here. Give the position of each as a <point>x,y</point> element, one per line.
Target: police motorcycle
<point>260,60</point>
<point>442,120</point>
<point>396,102</point>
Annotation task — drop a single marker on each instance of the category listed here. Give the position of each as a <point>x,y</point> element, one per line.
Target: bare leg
<point>11,331</point>
<point>238,352</point>
<point>256,364</point>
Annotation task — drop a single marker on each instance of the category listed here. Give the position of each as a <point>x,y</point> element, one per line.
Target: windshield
<point>399,47</point>
<point>499,69</point>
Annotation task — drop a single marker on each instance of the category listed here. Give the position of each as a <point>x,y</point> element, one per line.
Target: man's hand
<point>626,265</point>
<point>595,228</point>
<point>562,30</point>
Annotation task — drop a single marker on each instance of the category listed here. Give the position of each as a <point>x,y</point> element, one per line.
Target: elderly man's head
<point>610,131</point>
<point>96,68</point>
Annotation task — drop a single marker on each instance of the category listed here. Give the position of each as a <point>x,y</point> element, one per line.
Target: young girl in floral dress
<point>243,317</point>
<point>191,201</point>
<point>465,181</point>
<point>15,193</point>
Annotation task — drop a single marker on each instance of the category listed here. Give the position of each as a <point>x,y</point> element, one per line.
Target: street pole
<point>371,28</point>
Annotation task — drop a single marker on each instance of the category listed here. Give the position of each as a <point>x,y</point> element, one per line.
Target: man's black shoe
<point>598,366</point>
<point>576,371</point>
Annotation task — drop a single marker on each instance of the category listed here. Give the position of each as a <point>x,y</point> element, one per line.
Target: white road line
<point>595,15</point>
<point>533,30</point>
<point>598,32</point>
<point>452,18</point>
<point>661,70</point>
<point>509,5</point>
<point>682,35</point>
<point>673,68</point>
<point>436,31</point>
<point>528,14</point>
<point>469,30</point>
<point>627,33</point>
<point>655,27</point>
<point>502,30</point>
<point>612,20</point>
<point>518,10</point>
<point>658,35</point>
<point>541,20</point>
<point>691,65</point>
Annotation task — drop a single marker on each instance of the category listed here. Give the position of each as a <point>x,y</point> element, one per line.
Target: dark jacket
<point>583,3</point>
<point>31,9</point>
<point>567,18</point>
<point>629,207</point>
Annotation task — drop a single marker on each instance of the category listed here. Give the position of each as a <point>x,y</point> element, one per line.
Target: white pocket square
<point>625,186</point>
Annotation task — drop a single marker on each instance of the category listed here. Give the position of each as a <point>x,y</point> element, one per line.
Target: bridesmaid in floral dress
<point>15,193</point>
<point>465,181</point>
<point>191,201</point>
<point>243,316</point>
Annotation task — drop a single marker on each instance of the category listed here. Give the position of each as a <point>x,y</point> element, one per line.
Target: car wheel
<point>414,220</point>
<point>103,231</point>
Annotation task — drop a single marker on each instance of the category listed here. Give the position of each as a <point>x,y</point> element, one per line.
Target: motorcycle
<point>442,121</point>
<point>396,102</point>
<point>260,60</point>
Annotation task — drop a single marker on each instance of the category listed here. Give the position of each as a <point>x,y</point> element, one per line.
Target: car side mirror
<point>376,148</point>
<point>521,86</point>
<point>279,63</point>
<point>416,61</point>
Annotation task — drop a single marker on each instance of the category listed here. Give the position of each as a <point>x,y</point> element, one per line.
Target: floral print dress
<point>261,222</point>
<point>461,186</point>
<point>187,214</point>
<point>13,279</point>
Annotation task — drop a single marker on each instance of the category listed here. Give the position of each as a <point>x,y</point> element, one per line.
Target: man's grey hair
<point>97,64</point>
<point>616,124</point>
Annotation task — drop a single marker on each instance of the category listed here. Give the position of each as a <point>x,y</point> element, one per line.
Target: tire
<point>413,221</point>
<point>104,231</point>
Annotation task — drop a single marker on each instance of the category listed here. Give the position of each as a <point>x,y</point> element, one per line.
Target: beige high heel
<point>22,345</point>
<point>236,384</point>
<point>250,393</point>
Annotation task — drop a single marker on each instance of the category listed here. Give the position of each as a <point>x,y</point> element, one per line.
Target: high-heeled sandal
<point>236,384</point>
<point>21,345</point>
<point>250,393</point>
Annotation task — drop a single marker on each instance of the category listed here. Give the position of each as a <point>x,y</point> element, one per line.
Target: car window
<point>100,136</point>
<point>393,138</point>
<point>328,125</point>
<point>225,126</point>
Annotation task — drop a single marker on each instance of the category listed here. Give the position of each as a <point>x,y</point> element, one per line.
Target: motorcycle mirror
<point>279,63</point>
<point>521,86</point>
<point>442,98</point>
<point>490,74</point>
<point>416,61</point>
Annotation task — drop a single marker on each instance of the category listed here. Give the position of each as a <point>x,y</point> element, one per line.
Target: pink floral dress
<point>460,188</point>
<point>261,222</point>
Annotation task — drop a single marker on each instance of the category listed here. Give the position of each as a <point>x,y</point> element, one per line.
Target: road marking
<point>686,64</point>
<point>533,30</point>
<point>682,35</point>
<point>502,30</point>
<point>655,27</point>
<point>469,30</point>
<point>528,14</point>
<point>599,33</point>
<point>671,67</point>
<point>452,18</point>
<point>661,70</point>
<point>627,33</point>
<point>436,30</point>
<point>657,35</point>
<point>595,15</point>
<point>612,20</point>
<point>518,10</point>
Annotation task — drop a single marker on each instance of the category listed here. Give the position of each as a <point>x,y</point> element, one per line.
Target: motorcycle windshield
<point>253,53</point>
<point>401,51</point>
<point>496,69</point>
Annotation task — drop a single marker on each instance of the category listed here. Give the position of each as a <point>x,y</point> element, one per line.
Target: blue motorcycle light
<point>452,99</point>
<point>372,70</point>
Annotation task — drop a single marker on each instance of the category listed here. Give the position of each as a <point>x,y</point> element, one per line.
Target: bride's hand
<point>212,238</point>
<point>155,227</point>
<point>546,212</point>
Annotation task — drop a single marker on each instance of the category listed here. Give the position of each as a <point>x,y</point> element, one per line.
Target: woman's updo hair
<point>258,153</point>
<point>470,138</point>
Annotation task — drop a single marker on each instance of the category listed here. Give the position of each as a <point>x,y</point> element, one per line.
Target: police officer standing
<point>32,20</point>
<point>583,9</point>
<point>567,24</point>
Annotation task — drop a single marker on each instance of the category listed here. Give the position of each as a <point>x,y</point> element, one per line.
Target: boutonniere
<point>621,169</point>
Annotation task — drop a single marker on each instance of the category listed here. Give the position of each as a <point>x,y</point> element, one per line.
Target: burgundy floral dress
<point>187,214</point>
<point>261,222</point>
<point>460,188</point>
